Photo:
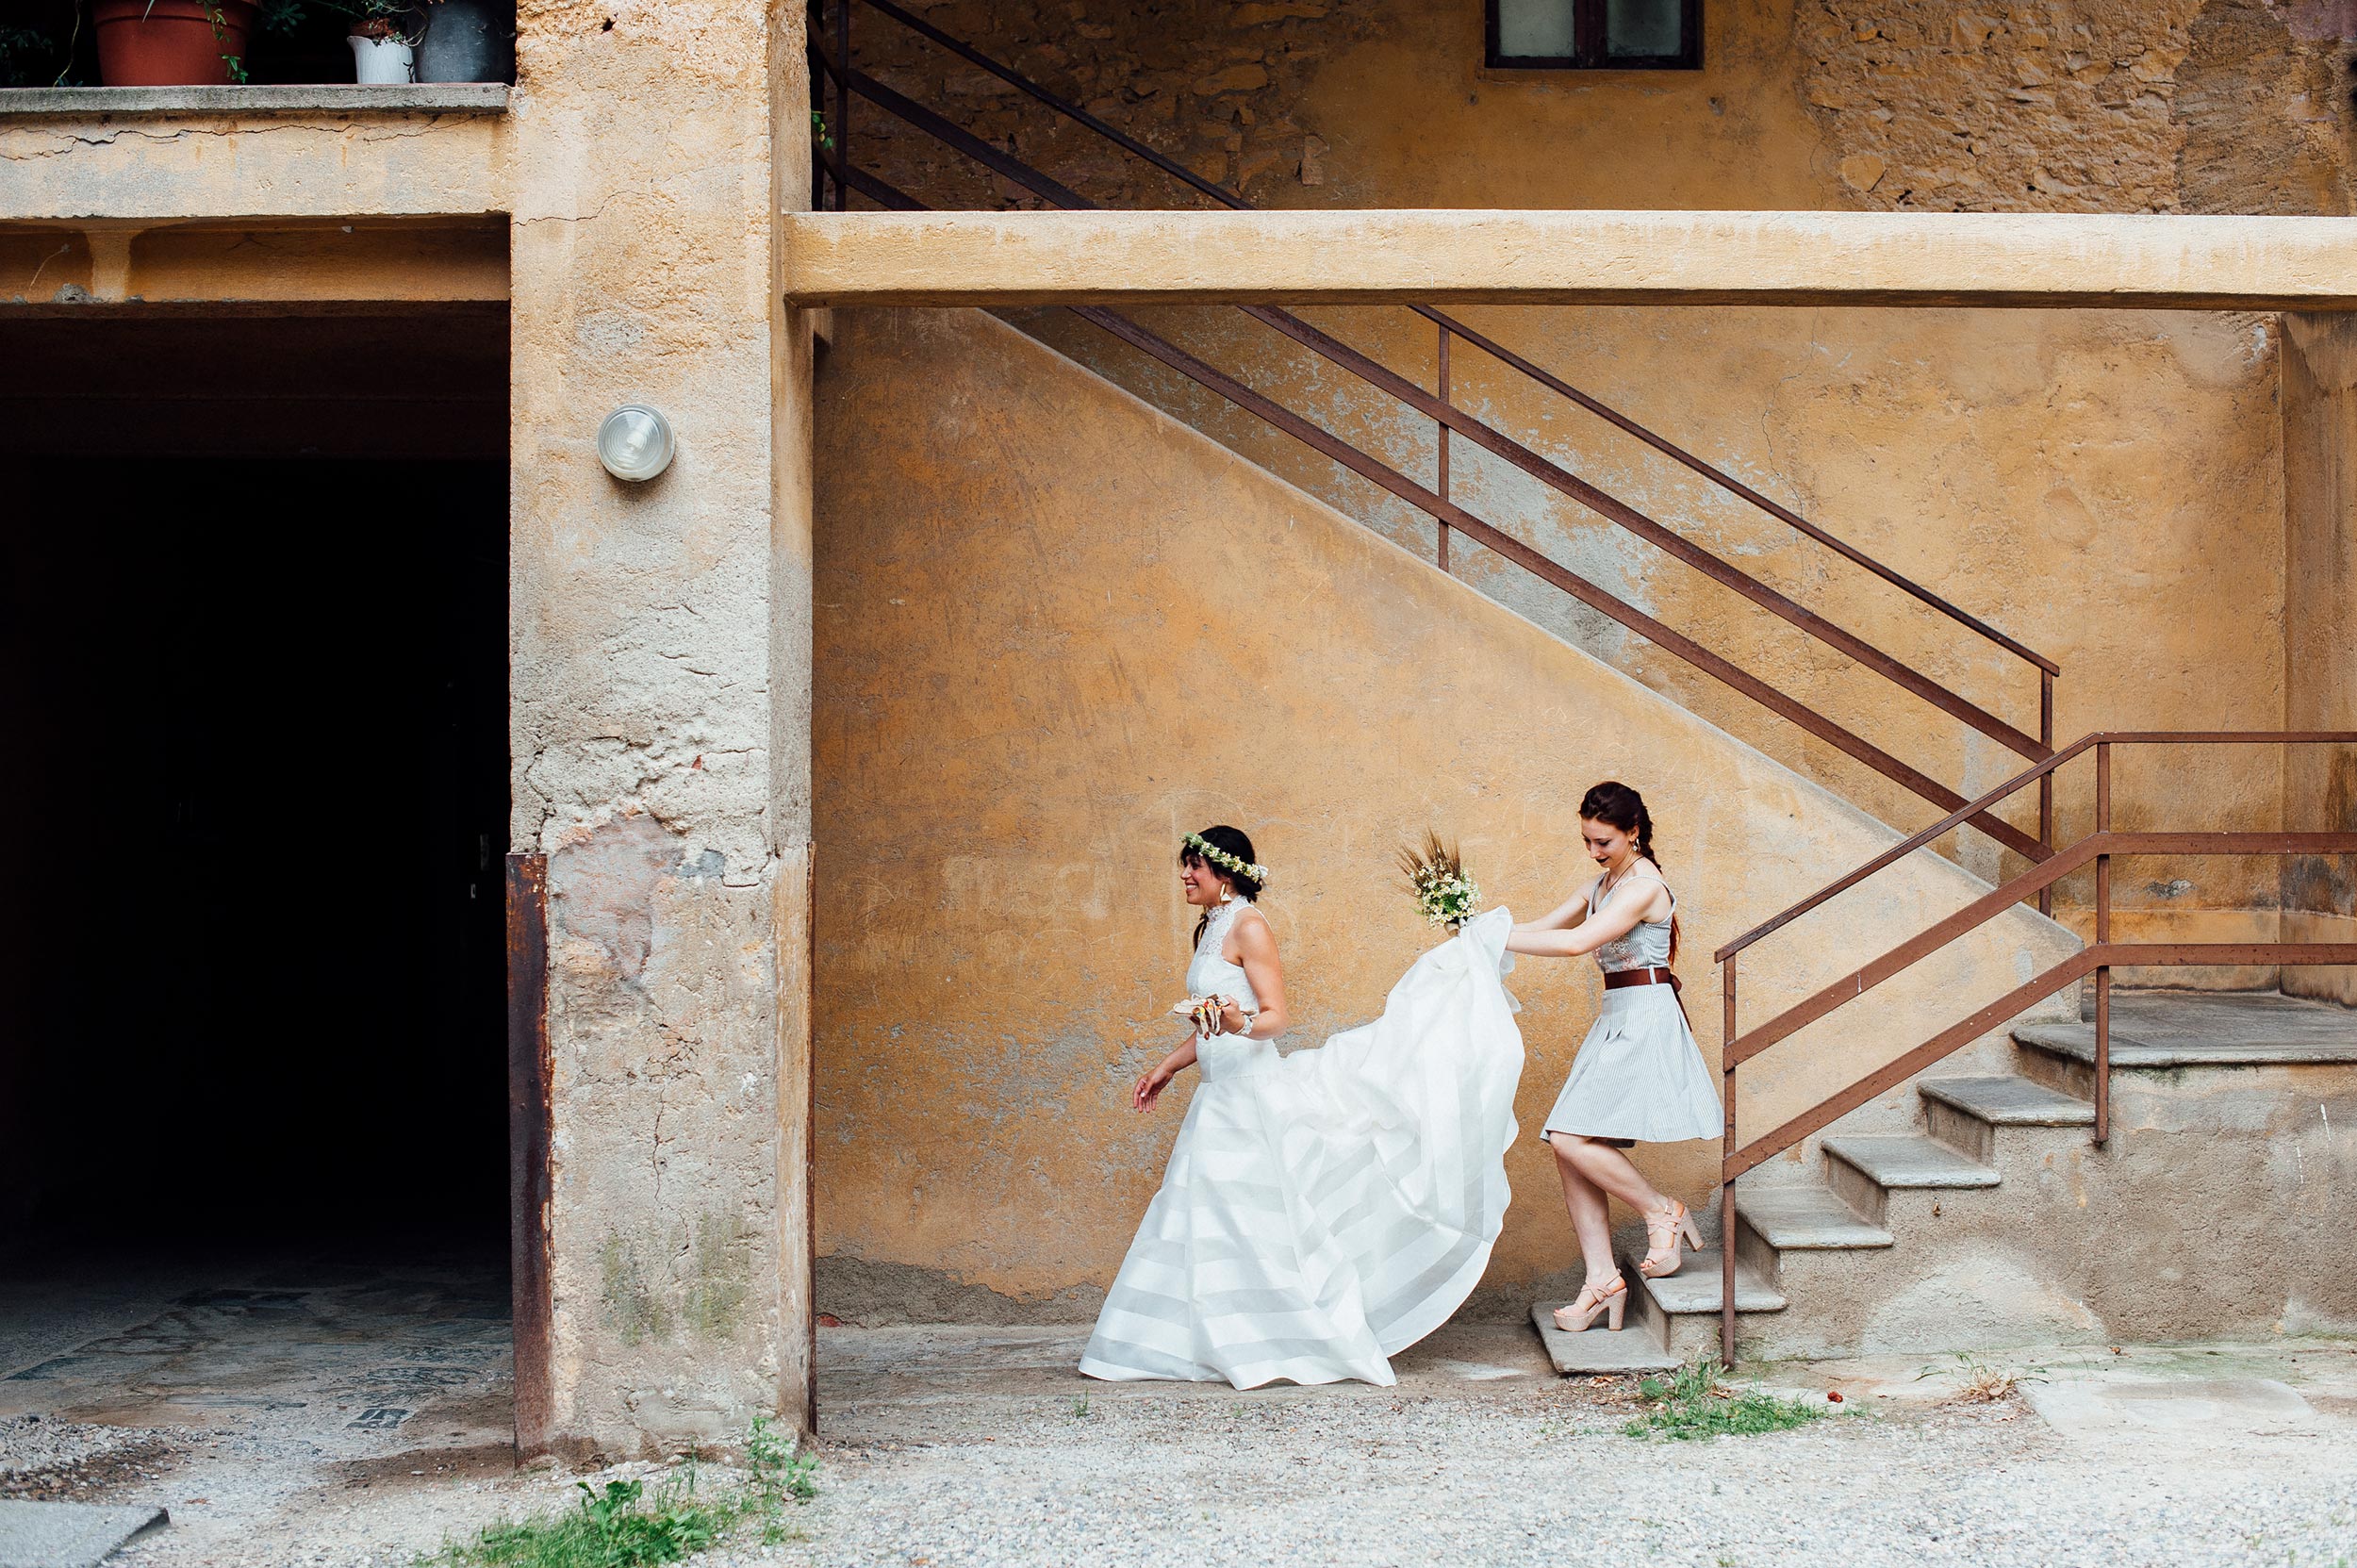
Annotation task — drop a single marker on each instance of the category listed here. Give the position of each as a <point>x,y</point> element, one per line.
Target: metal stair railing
<point>832,59</point>
<point>2097,958</point>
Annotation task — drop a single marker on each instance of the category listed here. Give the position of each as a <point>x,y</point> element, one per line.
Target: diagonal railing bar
<point>1063,106</point>
<point>1674,544</point>
<point>1842,738</point>
<point>1553,382</point>
<point>1547,568</point>
<point>1905,847</point>
<point>1735,486</point>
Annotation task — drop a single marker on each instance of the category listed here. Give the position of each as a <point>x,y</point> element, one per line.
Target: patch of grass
<point>1080,1407</point>
<point>1691,1403</point>
<point>623,1525</point>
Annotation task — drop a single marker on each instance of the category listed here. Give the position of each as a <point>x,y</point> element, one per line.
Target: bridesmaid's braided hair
<point>1617,805</point>
<point>1233,842</point>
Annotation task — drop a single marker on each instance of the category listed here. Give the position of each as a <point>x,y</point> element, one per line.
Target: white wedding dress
<point>1324,1210</point>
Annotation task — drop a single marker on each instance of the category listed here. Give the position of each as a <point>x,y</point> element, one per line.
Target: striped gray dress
<point>1324,1210</point>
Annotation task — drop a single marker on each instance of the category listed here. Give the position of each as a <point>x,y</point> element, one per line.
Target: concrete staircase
<point>1998,1222</point>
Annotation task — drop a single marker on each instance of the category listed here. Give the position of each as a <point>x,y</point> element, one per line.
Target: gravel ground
<point>947,1447</point>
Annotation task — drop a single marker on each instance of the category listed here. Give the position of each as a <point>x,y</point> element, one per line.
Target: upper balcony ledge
<point>328,98</point>
<point>1571,257</point>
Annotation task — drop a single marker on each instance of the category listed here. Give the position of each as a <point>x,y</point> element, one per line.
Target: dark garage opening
<point>255,613</point>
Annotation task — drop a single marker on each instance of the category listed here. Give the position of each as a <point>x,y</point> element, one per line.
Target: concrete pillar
<point>660,712</point>
<point>2320,632</point>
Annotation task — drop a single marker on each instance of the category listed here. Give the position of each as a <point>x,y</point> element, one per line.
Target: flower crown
<point>1235,866</point>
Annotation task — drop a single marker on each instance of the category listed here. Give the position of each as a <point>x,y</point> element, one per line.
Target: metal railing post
<point>2102,936</point>
<point>1442,489</point>
<point>2046,784</point>
<point>841,127</point>
<point>1727,1160</point>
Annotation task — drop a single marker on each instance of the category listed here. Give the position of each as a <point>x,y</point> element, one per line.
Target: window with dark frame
<point>1595,35</point>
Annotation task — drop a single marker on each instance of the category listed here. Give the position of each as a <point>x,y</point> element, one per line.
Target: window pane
<point>1640,27</point>
<point>1540,29</point>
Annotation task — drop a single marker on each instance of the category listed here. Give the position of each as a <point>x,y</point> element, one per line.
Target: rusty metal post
<point>2046,784</point>
<point>529,1128</point>
<point>1726,1160</point>
<point>841,127</point>
<point>1442,488</point>
<point>2102,936</point>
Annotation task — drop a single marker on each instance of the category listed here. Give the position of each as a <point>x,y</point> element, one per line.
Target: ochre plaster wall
<point>2104,486</point>
<point>1055,631</point>
<point>2014,462</point>
<point>2321,632</point>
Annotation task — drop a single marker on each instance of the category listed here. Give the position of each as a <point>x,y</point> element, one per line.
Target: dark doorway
<point>255,708</point>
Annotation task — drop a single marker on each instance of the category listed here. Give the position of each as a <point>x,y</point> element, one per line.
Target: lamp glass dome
<point>635,442</point>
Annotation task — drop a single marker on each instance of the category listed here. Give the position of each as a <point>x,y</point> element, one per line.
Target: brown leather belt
<point>1617,979</point>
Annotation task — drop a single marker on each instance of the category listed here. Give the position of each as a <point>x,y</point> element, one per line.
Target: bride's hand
<point>1149,1089</point>
<point>1230,1017</point>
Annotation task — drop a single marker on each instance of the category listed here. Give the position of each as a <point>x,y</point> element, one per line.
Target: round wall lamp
<point>635,442</point>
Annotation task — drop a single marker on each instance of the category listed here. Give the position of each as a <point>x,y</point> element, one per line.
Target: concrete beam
<point>1572,257</point>
<point>155,159</point>
<point>65,268</point>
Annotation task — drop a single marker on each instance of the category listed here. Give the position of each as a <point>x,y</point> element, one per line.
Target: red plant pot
<point>170,42</point>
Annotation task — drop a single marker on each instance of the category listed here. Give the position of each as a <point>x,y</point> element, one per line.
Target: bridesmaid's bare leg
<point>1591,1216</point>
<point>1606,1167</point>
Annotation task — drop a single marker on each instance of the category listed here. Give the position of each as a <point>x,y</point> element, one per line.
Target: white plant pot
<point>379,61</point>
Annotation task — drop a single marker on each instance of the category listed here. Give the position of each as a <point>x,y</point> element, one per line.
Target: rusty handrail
<point>2098,958</point>
<point>1436,504</point>
<point>1451,326</point>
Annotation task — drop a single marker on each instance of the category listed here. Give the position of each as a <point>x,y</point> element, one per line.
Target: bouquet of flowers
<point>1436,874</point>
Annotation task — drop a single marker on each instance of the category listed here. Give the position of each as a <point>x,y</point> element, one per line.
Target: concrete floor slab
<point>2205,1407</point>
<point>68,1535</point>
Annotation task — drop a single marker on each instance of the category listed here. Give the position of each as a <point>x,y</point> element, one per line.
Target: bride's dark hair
<point>1616,805</point>
<point>1235,841</point>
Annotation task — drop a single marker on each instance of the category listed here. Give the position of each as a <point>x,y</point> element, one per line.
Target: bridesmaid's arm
<point>1570,912</point>
<point>1614,918</point>
<point>1255,951</point>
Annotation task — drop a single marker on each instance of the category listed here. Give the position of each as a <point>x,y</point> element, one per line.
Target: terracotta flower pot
<point>169,42</point>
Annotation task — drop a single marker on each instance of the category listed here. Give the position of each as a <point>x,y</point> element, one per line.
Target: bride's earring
<point>1227,894</point>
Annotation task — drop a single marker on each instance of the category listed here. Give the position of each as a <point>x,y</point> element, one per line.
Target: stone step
<point>2010,1100</point>
<point>1809,1218</point>
<point>2259,1048</point>
<point>1600,1351</point>
<point>1694,1288</point>
<point>1682,1312</point>
<point>1903,1160</point>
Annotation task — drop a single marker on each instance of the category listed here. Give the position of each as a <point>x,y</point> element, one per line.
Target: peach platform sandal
<point>1612,1300</point>
<point>1662,1231</point>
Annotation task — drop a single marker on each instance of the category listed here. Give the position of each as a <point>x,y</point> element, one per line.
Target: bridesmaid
<point>1638,1076</point>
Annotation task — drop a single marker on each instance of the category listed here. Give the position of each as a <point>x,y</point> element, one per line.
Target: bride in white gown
<point>1322,1211</point>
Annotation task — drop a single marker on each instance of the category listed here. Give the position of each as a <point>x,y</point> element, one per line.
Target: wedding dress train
<point>1324,1210</point>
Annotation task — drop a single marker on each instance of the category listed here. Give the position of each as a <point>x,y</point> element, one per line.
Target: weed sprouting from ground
<point>1979,1383</point>
<point>623,1525</point>
<point>1691,1402</point>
